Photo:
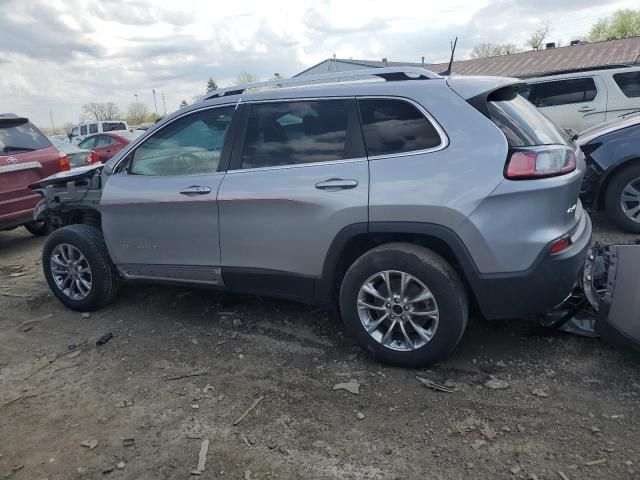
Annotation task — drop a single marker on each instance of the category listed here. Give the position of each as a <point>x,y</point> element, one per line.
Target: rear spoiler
<point>476,90</point>
<point>13,119</point>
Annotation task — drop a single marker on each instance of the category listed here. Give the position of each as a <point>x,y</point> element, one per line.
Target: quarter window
<point>190,145</point>
<point>562,92</point>
<point>286,133</point>
<point>395,126</point>
<point>93,128</point>
<point>83,130</point>
<point>629,83</point>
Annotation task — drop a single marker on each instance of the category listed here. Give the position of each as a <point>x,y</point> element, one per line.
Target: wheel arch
<point>609,175</point>
<point>355,240</point>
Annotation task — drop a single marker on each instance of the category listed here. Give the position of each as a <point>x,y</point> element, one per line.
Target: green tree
<point>137,113</point>
<point>622,24</point>
<point>211,85</point>
<point>484,50</point>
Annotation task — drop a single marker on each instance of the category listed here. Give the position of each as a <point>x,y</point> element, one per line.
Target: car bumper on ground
<point>540,288</point>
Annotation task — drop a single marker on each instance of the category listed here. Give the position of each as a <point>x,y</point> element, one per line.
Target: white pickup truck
<point>81,131</point>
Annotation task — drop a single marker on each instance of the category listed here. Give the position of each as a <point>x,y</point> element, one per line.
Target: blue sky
<point>57,55</point>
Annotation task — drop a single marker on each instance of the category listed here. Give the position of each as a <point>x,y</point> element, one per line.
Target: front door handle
<point>334,184</point>
<point>195,190</point>
<point>586,109</point>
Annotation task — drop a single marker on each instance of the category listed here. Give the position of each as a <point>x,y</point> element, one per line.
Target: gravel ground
<point>184,366</point>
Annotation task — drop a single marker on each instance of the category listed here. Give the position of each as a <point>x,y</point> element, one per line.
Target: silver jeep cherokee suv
<point>402,201</point>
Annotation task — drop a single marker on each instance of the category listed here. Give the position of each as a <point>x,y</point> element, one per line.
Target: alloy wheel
<point>71,271</point>
<point>398,310</point>
<point>630,200</point>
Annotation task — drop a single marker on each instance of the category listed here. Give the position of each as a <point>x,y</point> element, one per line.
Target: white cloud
<point>59,54</point>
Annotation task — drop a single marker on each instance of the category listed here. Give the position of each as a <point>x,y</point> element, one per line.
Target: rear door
<point>627,98</point>
<point>298,176</point>
<point>26,156</point>
<point>575,103</point>
<point>105,147</point>
<point>159,210</point>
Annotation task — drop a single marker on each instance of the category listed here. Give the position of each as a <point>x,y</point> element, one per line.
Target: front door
<point>298,176</point>
<point>159,211</point>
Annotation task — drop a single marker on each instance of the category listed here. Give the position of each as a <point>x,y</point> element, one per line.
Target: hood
<point>596,131</point>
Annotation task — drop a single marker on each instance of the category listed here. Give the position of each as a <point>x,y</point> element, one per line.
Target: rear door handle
<point>334,184</point>
<point>195,190</point>
<point>586,109</point>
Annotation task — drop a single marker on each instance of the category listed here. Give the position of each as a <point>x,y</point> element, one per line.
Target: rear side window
<point>83,130</point>
<point>20,136</point>
<point>111,126</point>
<point>93,128</point>
<point>103,141</point>
<point>88,143</point>
<point>520,122</point>
<point>629,83</point>
<point>562,92</point>
<point>395,126</point>
<point>299,132</point>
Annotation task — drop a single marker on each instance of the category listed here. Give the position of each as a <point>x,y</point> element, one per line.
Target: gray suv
<point>401,201</point>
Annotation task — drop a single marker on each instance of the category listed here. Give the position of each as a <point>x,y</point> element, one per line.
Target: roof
<point>532,63</point>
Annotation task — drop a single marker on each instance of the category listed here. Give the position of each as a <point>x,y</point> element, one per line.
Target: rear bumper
<point>538,289</point>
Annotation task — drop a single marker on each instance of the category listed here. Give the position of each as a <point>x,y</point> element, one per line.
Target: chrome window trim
<point>444,138</point>
<point>140,140</point>
<point>297,165</point>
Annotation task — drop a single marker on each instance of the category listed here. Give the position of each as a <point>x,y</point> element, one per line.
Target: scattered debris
<point>15,295</point>
<point>128,442</point>
<point>107,470</point>
<point>202,458</point>
<point>17,274</point>
<point>360,415</point>
<point>28,325</point>
<point>121,465</point>
<point>104,314</point>
<point>487,431</point>
<point>104,339</point>
<point>593,463</point>
<point>124,403</point>
<point>90,444</point>
<point>539,392</point>
<point>248,411</point>
<point>208,388</point>
<point>188,375</point>
<point>515,470</point>
<point>497,384</point>
<point>194,341</point>
<point>433,385</point>
<point>86,315</point>
<point>352,386</point>
<point>562,475</point>
<point>478,443</point>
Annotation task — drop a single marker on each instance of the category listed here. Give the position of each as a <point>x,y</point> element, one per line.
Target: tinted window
<point>88,143</point>
<point>395,126</point>
<point>190,145</point>
<point>520,122</point>
<point>295,132</point>
<point>629,83</point>
<point>111,126</point>
<point>93,128</point>
<point>562,92</point>
<point>83,130</point>
<point>18,136</point>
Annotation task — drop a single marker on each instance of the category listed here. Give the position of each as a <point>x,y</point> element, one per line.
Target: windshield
<point>521,122</point>
<point>20,136</point>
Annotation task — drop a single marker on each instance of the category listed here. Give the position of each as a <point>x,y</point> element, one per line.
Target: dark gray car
<point>400,201</point>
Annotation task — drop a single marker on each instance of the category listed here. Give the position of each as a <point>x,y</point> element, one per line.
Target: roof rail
<point>584,69</point>
<point>388,74</point>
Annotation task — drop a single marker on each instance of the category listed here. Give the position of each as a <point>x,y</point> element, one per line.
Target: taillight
<point>540,162</point>
<point>64,163</point>
<point>91,158</point>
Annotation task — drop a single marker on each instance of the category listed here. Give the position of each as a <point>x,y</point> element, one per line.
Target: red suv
<point>26,156</point>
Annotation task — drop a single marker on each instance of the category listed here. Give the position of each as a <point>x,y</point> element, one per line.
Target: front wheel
<point>404,304</point>
<point>38,228</point>
<point>78,268</point>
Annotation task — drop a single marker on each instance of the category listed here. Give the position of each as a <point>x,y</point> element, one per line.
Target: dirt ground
<point>570,409</point>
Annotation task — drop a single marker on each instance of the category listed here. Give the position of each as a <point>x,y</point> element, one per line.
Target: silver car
<point>401,201</point>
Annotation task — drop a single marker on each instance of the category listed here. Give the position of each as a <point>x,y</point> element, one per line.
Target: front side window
<point>562,92</point>
<point>395,126</point>
<point>83,130</point>
<point>74,131</point>
<point>93,128</point>
<point>629,83</point>
<point>187,146</point>
<point>297,132</point>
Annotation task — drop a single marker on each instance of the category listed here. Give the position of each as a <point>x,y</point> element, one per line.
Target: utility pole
<point>154,100</point>
<point>52,126</point>
<point>136,95</point>
<point>164,105</point>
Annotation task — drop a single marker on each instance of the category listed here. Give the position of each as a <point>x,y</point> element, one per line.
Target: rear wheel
<point>404,304</point>
<point>622,199</point>
<point>38,228</point>
<point>78,268</point>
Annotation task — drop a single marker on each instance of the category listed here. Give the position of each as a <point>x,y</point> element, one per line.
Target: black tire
<point>104,276</point>
<point>38,229</point>
<point>613,195</point>
<point>435,273</point>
